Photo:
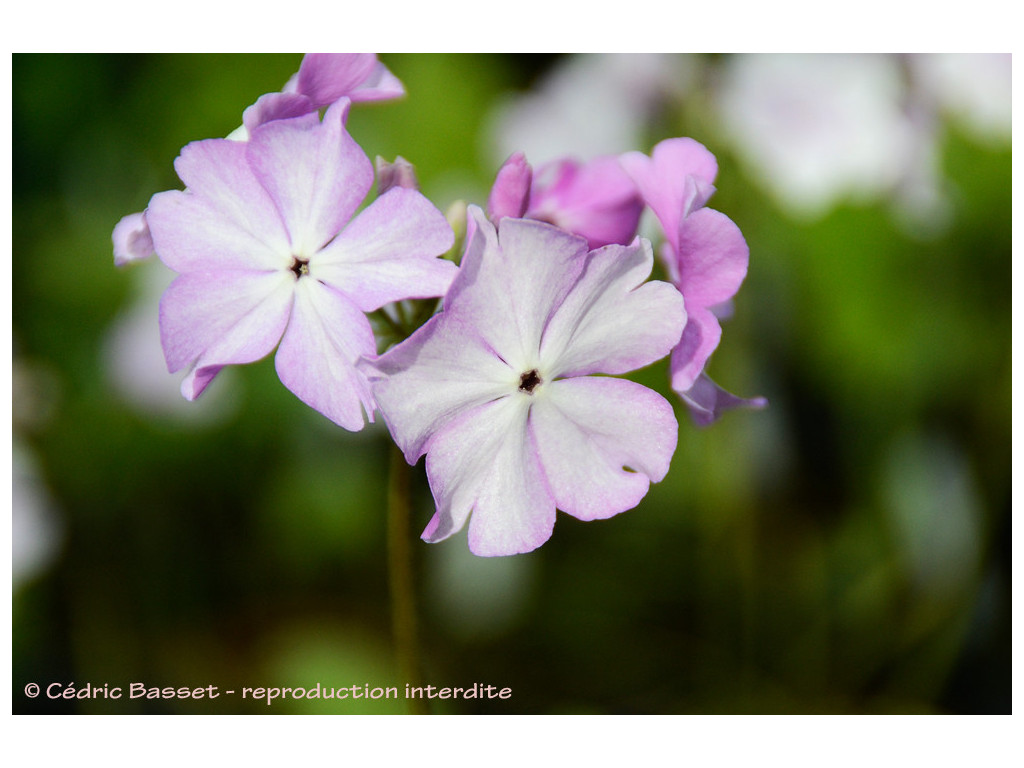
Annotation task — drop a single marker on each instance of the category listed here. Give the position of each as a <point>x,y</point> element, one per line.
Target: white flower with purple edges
<point>269,255</point>
<point>497,390</point>
<point>322,79</point>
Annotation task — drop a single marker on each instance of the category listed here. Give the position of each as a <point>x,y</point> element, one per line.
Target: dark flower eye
<point>528,381</point>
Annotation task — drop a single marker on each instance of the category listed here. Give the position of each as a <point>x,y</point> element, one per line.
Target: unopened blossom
<point>268,251</point>
<point>705,255</point>
<point>496,389</point>
<point>322,79</point>
<point>596,200</point>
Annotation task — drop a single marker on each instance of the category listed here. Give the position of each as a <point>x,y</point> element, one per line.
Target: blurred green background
<point>845,551</point>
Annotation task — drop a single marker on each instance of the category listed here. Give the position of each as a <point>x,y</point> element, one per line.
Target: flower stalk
<point>400,577</point>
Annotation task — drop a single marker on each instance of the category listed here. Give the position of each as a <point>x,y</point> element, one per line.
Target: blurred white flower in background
<point>818,129</point>
<point>587,105</point>
<point>478,598</point>
<point>973,88</point>
<point>135,363</point>
<point>37,529</point>
<point>932,500</point>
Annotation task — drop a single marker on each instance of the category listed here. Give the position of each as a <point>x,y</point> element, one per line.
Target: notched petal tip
<point>400,173</point>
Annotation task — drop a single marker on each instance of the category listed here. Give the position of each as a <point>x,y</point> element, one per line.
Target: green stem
<point>400,576</point>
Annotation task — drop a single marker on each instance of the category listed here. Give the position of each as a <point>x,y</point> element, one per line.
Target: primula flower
<point>596,200</point>
<point>322,79</point>
<point>496,390</point>
<point>263,240</point>
<point>705,255</point>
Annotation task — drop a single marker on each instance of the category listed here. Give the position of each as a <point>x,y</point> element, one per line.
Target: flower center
<point>300,266</point>
<point>529,381</point>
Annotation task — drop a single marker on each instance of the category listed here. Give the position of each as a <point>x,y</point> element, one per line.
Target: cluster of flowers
<point>548,288</point>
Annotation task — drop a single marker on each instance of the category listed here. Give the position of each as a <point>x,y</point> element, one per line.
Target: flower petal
<point>486,461</point>
<point>707,401</point>
<point>711,264</point>
<point>389,252</point>
<point>317,358</point>
<point>589,430</point>
<point>400,173</point>
<point>511,191</point>
<point>224,220</point>
<point>596,200</point>
<point>519,283</point>
<point>212,319</point>
<point>438,373</point>
<point>315,173</point>
<point>712,258</point>
<point>612,321</point>
<point>663,182</point>
<point>275,106</point>
<point>326,77</point>
<point>132,240</point>
<point>700,338</point>
<point>379,85</point>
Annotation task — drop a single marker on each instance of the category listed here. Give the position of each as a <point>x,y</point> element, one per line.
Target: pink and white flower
<point>496,389</point>
<point>322,79</point>
<point>268,251</point>
<point>705,255</point>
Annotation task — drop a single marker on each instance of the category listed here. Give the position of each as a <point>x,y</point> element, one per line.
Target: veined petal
<point>712,258</point>
<point>662,178</point>
<point>214,319</point>
<point>326,77</point>
<point>389,252</point>
<point>224,220</point>
<point>443,370</point>
<point>315,173</point>
<point>190,234</point>
<point>519,279</point>
<point>486,462</point>
<point>218,171</point>
<point>317,358</point>
<point>707,401</point>
<point>589,430</point>
<point>612,321</point>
